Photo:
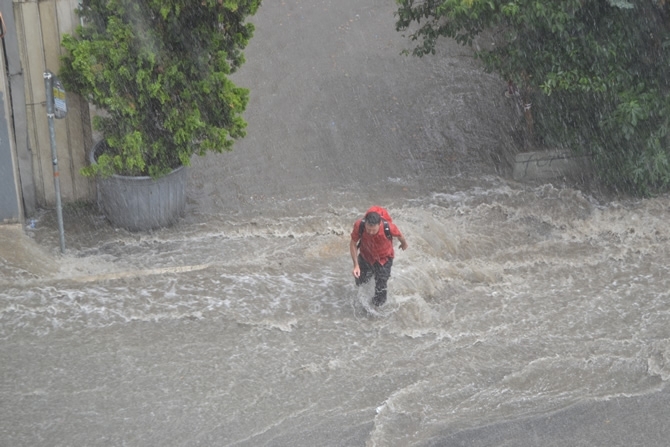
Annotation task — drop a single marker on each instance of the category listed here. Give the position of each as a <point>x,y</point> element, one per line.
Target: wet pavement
<point>522,315</point>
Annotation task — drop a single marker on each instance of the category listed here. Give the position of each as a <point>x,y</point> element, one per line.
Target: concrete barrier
<point>545,165</point>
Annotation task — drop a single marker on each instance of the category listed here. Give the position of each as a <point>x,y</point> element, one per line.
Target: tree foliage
<point>159,70</point>
<point>595,72</point>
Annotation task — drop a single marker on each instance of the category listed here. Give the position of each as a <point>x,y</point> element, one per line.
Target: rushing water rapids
<point>510,301</point>
<point>241,325</point>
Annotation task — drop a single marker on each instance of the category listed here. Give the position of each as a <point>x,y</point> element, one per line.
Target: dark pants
<point>382,273</point>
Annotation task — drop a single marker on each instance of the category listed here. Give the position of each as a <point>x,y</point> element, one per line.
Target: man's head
<point>372,222</point>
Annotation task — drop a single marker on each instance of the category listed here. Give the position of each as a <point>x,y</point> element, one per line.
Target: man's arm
<point>353,249</point>
<point>396,233</point>
<point>403,242</point>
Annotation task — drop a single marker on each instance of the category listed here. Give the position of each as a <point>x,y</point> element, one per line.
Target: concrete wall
<point>10,209</point>
<point>550,164</point>
<point>39,26</point>
<point>15,114</point>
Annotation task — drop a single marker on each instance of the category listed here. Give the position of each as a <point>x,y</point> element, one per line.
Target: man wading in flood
<point>373,235</point>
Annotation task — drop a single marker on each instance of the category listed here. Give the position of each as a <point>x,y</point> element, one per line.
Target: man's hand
<point>403,243</point>
<point>353,248</point>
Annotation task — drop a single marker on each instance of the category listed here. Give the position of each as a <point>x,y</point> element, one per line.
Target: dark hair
<point>373,218</point>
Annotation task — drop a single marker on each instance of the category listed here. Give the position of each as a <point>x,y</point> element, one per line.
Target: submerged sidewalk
<point>21,257</point>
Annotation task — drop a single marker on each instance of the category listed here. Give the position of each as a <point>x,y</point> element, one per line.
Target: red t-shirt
<point>376,248</point>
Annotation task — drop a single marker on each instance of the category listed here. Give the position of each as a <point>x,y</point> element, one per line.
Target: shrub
<point>159,71</point>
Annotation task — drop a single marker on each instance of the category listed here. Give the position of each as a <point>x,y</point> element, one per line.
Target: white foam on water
<point>508,301</point>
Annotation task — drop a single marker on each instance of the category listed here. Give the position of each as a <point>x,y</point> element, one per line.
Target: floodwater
<point>241,326</point>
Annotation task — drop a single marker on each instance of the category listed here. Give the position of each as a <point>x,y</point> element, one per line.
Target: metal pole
<point>48,84</point>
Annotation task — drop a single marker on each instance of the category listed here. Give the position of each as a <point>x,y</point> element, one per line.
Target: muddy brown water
<point>241,325</point>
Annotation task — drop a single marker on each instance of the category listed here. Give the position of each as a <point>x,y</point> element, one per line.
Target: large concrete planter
<point>142,203</point>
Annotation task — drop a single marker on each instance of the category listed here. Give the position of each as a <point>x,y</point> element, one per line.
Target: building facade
<point>31,45</point>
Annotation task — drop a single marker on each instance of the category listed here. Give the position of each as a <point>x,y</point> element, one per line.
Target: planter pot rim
<point>91,159</point>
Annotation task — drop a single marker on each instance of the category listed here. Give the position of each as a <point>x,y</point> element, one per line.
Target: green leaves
<point>594,70</point>
<point>158,68</point>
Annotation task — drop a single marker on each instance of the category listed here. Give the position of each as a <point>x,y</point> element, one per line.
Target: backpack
<point>386,218</point>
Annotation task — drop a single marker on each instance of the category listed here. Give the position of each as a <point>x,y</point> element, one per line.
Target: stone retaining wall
<point>551,164</point>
